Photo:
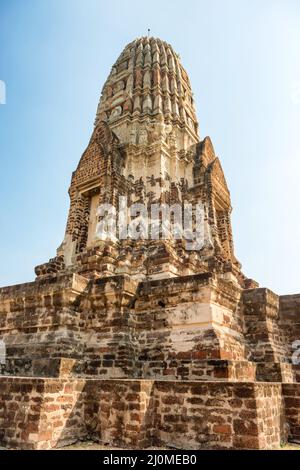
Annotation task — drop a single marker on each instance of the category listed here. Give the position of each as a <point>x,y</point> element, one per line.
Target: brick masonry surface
<point>48,413</point>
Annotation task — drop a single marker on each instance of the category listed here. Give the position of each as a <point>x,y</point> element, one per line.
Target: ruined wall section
<point>269,333</point>
<point>116,327</point>
<point>192,330</point>
<point>49,413</point>
<point>289,319</point>
<point>40,326</point>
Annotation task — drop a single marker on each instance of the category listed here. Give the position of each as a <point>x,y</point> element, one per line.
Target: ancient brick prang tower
<point>135,342</point>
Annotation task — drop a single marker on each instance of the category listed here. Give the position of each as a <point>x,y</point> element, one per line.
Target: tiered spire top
<point>148,82</point>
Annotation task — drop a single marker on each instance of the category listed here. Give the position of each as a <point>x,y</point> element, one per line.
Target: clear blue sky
<point>244,63</point>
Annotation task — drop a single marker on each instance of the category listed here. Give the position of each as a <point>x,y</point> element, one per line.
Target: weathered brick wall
<point>291,394</point>
<point>266,339</point>
<point>40,323</point>
<point>112,328</point>
<point>175,326</point>
<point>40,413</point>
<point>63,324</point>
<point>187,414</point>
<point>270,415</point>
<point>277,372</point>
<point>290,319</point>
<point>46,413</point>
<point>115,327</point>
<point>120,412</point>
<point>215,415</point>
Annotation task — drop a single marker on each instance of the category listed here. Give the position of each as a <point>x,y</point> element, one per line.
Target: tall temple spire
<point>145,147</point>
<point>148,83</point>
<point>148,341</point>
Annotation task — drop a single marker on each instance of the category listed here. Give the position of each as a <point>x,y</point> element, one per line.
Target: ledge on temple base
<point>42,413</point>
